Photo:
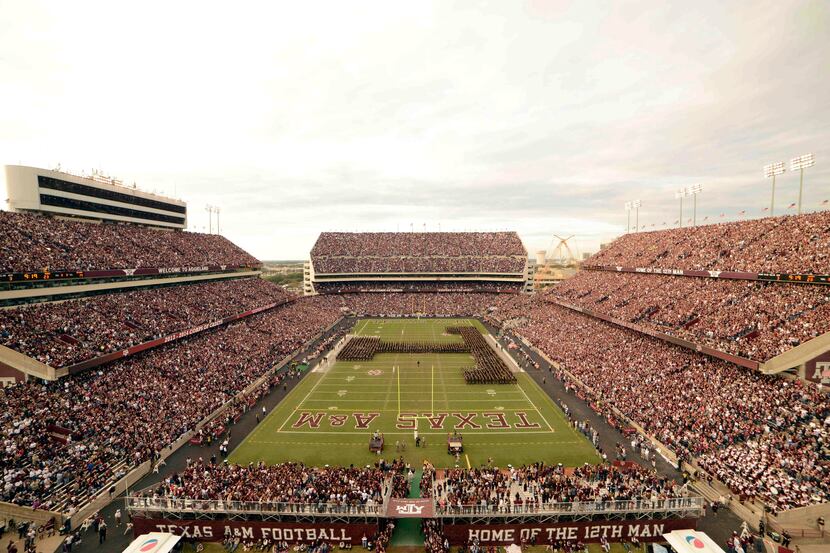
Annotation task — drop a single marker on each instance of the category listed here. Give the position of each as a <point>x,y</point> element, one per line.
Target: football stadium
<point>162,387</point>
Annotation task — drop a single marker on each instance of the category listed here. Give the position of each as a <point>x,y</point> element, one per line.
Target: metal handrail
<point>692,506</point>
<point>181,505</point>
<point>672,505</point>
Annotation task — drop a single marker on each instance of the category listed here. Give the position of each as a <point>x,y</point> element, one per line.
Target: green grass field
<point>329,417</point>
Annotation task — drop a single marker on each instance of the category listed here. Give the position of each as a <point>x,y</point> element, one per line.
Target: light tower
<point>693,191</point>
<point>211,209</point>
<point>633,205</point>
<point>799,164</point>
<point>680,194</point>
<point>773,170</point>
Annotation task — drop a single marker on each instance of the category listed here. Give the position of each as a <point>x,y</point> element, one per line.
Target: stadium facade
<point>96,197</point>
<point>342,262</point>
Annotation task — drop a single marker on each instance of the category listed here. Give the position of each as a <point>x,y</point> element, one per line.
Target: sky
<point>543,117</point>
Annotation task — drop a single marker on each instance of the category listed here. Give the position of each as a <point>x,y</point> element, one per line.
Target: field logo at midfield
<point>375,372</point>
<point>364,420</point>
<point>338,420</point>
<point>493,420</point>
<point>313,421</point>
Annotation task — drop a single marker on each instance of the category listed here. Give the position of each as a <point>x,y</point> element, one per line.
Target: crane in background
<point>563,262</point>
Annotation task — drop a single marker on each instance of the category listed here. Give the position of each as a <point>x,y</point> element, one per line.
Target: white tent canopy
<point>692,541</point>
<point>154,542</point>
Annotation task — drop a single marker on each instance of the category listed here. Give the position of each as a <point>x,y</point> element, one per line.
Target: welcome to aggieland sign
<point>586,532</point>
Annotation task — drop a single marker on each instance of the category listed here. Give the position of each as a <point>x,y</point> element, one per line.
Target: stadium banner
<point>139,271</point>
<point>410,508</point>
<point>585,531</point>
<point>96,361</point>
<point>817,369</point>
<point>255,530</point>
<point>798,278</point>
<point>739,275</point>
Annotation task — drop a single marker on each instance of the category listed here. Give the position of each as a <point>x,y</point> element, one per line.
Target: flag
<point>825,202</point>
<point>742,212</point>
<point>706,218</point>
<point>765,209</point>
<point>792,205</point>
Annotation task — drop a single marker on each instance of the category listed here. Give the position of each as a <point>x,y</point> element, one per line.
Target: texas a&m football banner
<point>457,534</point>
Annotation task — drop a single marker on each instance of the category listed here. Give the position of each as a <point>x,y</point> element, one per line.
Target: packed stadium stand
<point>797,244</point>
<point>34,243</point>
<point>531,488</point>
<point>691,403</point>
<point>64,333</point>
<point>764,437</point>
<point>67,440</point>
<point>344,262</point>
<point>752,319</point>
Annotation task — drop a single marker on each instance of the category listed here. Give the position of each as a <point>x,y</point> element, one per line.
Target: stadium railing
<point>207,506</point>
<point>677,506</point>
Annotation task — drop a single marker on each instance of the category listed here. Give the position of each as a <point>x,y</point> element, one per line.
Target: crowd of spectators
<point>68,332</point>
<point>535,487</point>
<point>351,287</point>
<point>786,244</point>
<point>434,539</point>
<point>752,319</point>
<point>784,469</point>
<point>33,242</point>
<point>391,304</point>
<point>129,411</point>
<point>278,487</point>
<point>690,402</point>
<point>418,252</point>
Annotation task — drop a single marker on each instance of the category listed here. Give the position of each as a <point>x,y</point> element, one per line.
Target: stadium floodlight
<point>799,164</point>
<point>636,206</point>
<point>773,170</point>
<point>633,205</point>
<point>680,194</point>
<point>693,191</point>
<point>209,209</point>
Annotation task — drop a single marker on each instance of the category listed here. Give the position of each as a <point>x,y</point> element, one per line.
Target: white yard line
<point>299,405</point>
<point>534,406</point>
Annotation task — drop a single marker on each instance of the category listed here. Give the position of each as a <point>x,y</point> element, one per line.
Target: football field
<point>330,416</point>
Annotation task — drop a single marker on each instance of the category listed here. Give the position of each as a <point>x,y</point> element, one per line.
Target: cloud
<point>544,117</point>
